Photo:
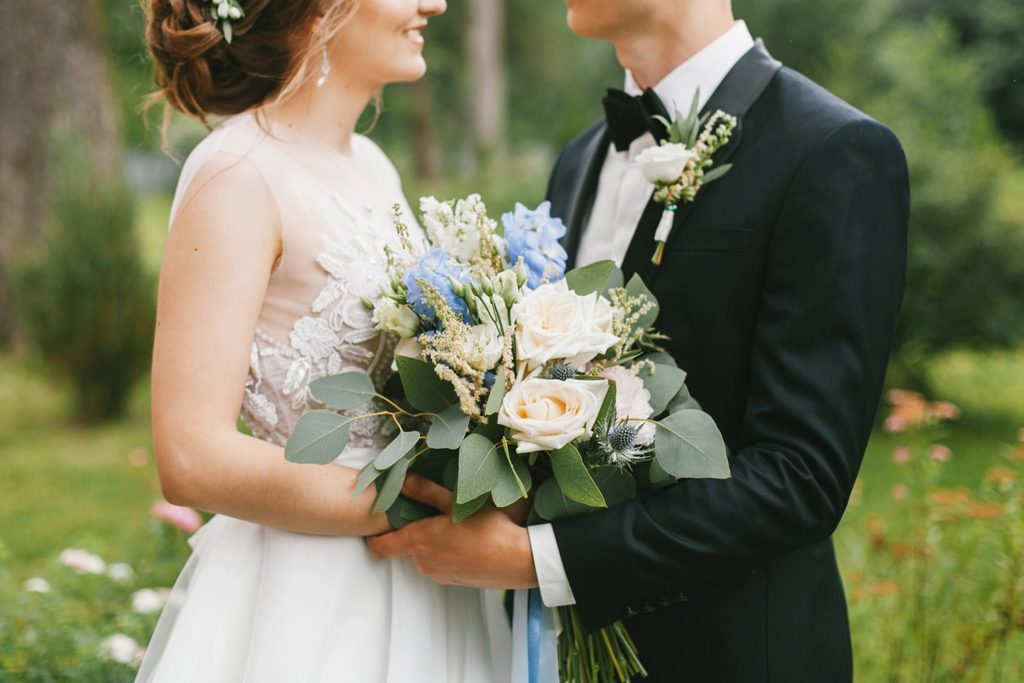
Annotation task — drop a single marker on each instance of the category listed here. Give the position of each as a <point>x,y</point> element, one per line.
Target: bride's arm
<point>219,255</point>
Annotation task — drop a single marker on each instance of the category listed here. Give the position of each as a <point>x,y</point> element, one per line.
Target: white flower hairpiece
<point>224,12</point>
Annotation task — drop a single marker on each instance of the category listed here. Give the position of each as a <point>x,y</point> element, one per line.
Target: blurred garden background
<point>932,546</point>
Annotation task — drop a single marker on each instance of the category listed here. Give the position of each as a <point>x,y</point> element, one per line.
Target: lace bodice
<point>336,218</point>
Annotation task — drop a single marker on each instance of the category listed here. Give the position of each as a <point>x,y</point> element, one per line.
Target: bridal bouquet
<point>519,381</point>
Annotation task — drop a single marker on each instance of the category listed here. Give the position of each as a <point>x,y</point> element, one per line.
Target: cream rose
<point>546,414</point>
<point>553,322</point>
<point>664,163</point>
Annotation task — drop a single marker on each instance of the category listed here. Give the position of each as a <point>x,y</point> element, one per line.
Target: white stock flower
<point>482,347</point>
<point>632,400</point>
<point>82,561</point>
<point>391,316</point>
<point>453,228</point>
<point>148,601</point>
<point>553,322</point>
<point>37,584</point>
<point>120,571</point>
<point>546,414</point>
<point>664,163</point>
<point>120,648</point>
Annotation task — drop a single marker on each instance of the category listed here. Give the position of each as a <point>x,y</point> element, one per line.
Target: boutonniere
<point>679,166</point>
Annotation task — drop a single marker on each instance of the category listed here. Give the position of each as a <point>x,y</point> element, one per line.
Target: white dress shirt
<point>622,194</point>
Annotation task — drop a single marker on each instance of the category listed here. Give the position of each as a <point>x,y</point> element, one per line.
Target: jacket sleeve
<point>834,279</point>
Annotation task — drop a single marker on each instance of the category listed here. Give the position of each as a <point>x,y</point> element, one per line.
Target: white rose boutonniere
<point>664,163</point>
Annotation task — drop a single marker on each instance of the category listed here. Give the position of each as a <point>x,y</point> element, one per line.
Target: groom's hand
<point>487,550</point>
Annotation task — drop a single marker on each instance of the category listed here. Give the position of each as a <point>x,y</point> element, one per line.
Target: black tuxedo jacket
<point>779,288</point>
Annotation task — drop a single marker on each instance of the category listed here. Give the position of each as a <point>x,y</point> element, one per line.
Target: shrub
<point>85,301</point>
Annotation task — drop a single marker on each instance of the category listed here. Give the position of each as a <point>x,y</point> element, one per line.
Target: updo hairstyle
<point>200,74</point>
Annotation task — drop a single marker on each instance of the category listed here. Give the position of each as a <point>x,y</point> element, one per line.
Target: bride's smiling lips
<point>415,33</point>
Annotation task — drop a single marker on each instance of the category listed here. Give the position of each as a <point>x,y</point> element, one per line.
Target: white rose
<point>391,316</point>
<point>120,648</point>
<point>82,561</point>
<point>148,601</point>
<point>546,414</point>
<point>553,322</point>
<point>632,400</point>
<point>482,347</point>
<point>664,163</point>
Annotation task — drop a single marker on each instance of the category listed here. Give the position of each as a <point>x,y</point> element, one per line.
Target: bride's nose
<point>432,8</point>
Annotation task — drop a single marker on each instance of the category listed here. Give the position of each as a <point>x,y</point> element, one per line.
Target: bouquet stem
<point>608,656</point>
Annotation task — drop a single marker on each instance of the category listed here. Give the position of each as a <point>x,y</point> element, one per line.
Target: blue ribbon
<point>535,639</point>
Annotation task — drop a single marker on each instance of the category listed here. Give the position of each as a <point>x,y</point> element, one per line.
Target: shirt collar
<point>705,70</point>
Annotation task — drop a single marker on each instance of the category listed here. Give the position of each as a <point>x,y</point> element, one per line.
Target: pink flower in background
<point>82,561</point>
<point>945,410</point>
<point>901,455</point>
<point>177,516</point>
<point>895,424</point>
<point>899,492</point>
<point>941,453</point>
<point>631,400</point>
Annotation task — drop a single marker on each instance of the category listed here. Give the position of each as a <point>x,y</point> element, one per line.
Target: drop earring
<point>325,69</point>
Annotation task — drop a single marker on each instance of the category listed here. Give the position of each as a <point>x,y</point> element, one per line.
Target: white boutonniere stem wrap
<point>681,165</point>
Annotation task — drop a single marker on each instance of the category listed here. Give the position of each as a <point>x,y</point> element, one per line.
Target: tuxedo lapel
<point>584,190</point>
<point>735,95</point>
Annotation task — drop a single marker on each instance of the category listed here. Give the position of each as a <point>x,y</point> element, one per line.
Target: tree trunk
<point>54,88</point>
<point>485,49</point>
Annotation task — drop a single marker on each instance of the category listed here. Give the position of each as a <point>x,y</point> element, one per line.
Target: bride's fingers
<point>425,491</point>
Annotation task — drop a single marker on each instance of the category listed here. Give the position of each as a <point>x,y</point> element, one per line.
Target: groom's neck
<point>653,51</point>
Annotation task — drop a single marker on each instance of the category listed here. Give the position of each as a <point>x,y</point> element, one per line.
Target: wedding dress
<point>256,604</point>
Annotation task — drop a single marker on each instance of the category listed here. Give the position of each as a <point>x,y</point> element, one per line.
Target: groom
<point>779,288</point>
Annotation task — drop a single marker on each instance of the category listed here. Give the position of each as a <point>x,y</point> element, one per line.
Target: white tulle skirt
<point>255,604</point>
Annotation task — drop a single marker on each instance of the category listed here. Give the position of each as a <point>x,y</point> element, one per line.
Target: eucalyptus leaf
<point>388,491</point>
<point>660,358</point>
<point>663,382</point>
<point>597,277</point>
<point>637,288</point>
<point>688,445</point>
<point>497,394</point>
<point>682,401</point>
<point>658,475</point>
<point>345,391</point>
<point>573,477</point>
<point>461,511</point>
<point>423,388</point>
<point>367,476</point>
<point>318,438</point>
<point>550,503</point>
<point>607,409</point>
<point>399,446</point>
<point>514,484</point>
<point>480,467</point>
<point>448,428</point>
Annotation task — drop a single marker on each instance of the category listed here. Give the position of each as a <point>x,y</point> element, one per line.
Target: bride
<point>278,230</point>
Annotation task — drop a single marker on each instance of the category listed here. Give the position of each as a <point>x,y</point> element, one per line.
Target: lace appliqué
<point>338,335</point>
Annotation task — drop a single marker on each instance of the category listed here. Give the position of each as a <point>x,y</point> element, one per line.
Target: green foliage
<point>965,275</point>
<point>84,297</point>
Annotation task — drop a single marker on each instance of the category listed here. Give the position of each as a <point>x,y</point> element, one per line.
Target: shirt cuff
<point>555,590</point>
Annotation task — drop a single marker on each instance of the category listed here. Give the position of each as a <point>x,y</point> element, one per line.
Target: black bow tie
<point>630,116</point>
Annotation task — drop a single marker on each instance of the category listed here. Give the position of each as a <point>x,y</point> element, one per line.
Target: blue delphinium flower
<point>534,236</point>
<point>436,268</point>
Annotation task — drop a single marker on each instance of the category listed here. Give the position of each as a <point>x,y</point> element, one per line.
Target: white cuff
<point>555,590</point>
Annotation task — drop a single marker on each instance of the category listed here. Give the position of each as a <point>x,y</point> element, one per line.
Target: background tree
<point>54,84</point>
